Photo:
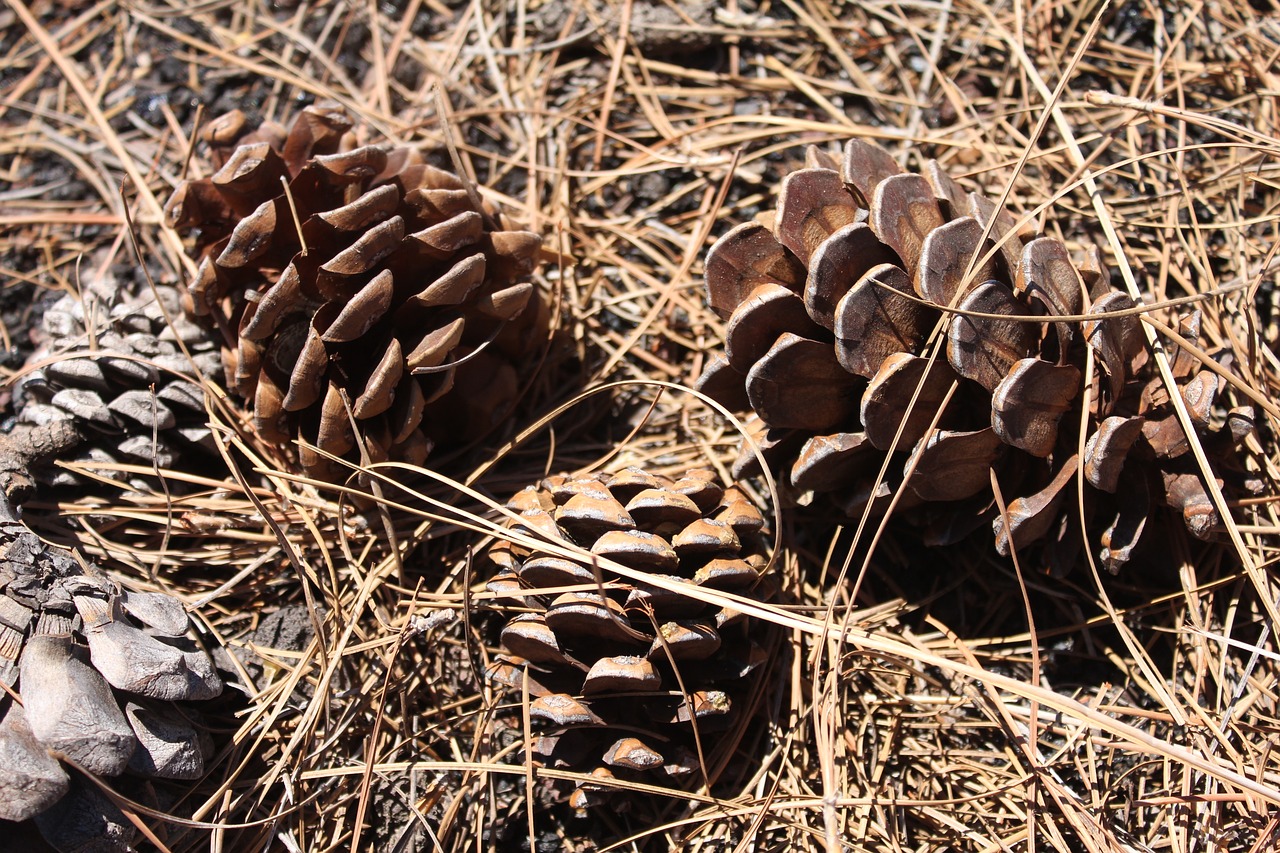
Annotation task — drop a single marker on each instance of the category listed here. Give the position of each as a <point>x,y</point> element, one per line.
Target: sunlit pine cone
<point>602,669</point>
<point>105,677</point>
<point>831,302</point>
<point>111,359</point>
<point>404,308</point>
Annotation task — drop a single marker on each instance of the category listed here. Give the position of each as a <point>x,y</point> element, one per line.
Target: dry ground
<point>956,710</point>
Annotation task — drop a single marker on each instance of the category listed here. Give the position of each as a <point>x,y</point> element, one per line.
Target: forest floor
<point>916,698</point>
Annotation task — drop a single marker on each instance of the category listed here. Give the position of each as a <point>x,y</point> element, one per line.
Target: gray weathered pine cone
<point>602,668</point>
<point>831,301</point>
<point>364,295</point>
<point>110,360</point>
<point>105,677</point>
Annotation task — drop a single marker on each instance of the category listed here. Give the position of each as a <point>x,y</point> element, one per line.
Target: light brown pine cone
<point>619,680</point>
<point>105,677</point>
<point>400,316</point>
<point>831,302</point>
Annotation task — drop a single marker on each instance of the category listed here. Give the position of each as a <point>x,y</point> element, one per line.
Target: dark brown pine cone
<point>619,680</point>
<point>401,308</point>
<point>831,304</point>
<point>109,360</point>
<point>105,677</point>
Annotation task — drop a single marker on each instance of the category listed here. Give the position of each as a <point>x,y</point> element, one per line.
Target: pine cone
<point>99,671</point>
<point>109,361</point>
<point>602,669</point>
<point>400,307</point>
<point>831,303</point>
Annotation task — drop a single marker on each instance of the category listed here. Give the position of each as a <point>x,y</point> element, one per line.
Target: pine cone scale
<point>887,402</point>
<point>955,465</point>
<point>1028,403</point>
<point>334,278</point>
<point>823,207</point>
<point>864,167</point>
<point>799,384</point>
<point>1106,450</point>
<point>249,178</point>
<point>745,258</point>
<point>380,391</point>
<point>945,258</point>
<point>985,349</point>
<point>453,287</point>
<point>770,311</point>
<point>872,323</point>
<point>842,259</point>
<point>36,781</point>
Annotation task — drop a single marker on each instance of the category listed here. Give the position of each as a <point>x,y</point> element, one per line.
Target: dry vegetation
<point>915,699</point>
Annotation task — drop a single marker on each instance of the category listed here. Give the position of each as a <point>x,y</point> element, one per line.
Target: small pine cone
<point>111,362</point>
<point>831,302</point>
<point>99,670</point>
<point>602,669</point>
<point>394,301</point>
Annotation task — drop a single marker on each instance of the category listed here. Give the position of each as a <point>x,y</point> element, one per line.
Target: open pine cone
<point>619,680</point>
<point>832,302</point>
<point>104,677</point>
<point>358,287</point>
<point>109,360</point>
